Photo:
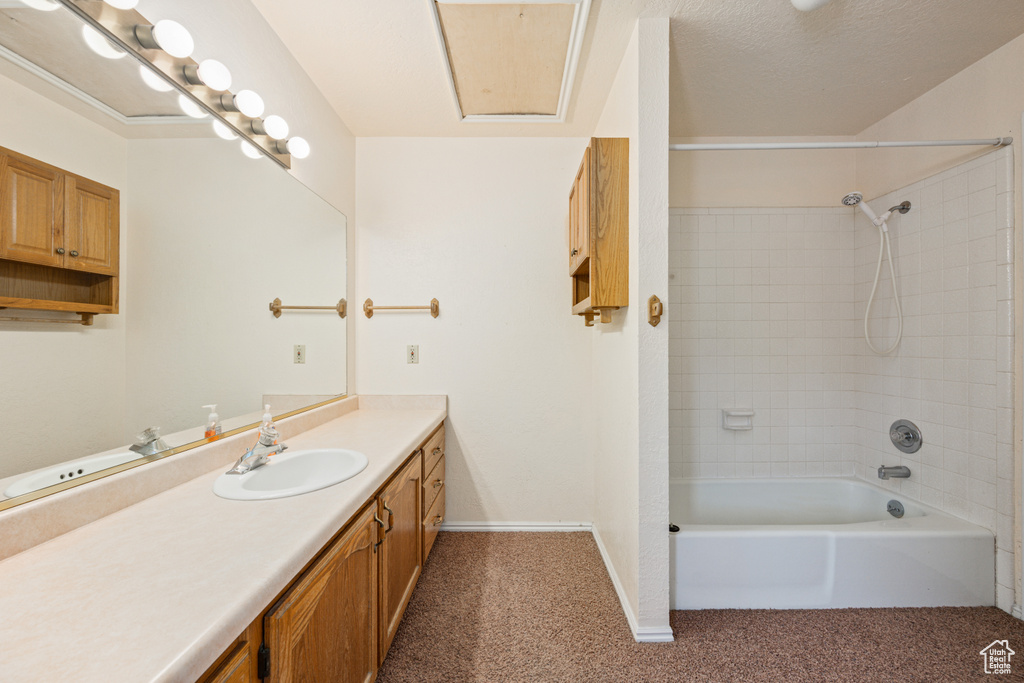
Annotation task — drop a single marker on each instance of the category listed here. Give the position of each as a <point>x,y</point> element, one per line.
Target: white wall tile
<point>773,302</point>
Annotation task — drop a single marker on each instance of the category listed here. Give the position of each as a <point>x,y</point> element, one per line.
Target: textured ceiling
<point>739,67</point>
<point>743,67</point>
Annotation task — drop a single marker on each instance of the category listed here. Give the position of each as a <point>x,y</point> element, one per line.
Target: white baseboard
<point>645,634</point>
<point>516,526</point>
<point>1016,611</point>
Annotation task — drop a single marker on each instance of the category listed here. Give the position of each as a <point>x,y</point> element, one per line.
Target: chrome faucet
<point>148,442</point>
<point>893,472</point>
<point>259,455</point>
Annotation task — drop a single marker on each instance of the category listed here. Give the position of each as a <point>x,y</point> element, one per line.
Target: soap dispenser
<point>268,434</point>
<point>213,428</point>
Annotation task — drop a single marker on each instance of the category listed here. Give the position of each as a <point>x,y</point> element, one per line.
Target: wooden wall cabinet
<point>336,621</point>
<point>59,238</point>
<point>599,230</point>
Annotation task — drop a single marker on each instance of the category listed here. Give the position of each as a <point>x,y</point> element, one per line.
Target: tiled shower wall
<point>766,311</point>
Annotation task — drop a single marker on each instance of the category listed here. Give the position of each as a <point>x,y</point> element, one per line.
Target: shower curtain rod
<point>714,147</point>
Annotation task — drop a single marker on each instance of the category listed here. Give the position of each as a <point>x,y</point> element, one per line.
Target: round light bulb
<point>173,38</point>
<point>191,108</point>
<point>100,45</point>
<point>298,147</point>
<point>214,75</point>
<point>275,127</point>
<point>249,150</point>
<point>122,4</point>
<point>249,103</point>
<point>223,131</point>
<point>42,5</point>
<point>154,81</point>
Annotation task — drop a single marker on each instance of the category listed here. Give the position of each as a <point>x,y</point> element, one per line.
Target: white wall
<point>782,178</point>
<point>215,237</point>
<point>630,358</point>
<point>615,369</point>
<point>62,383</point>
<point>480,224</point>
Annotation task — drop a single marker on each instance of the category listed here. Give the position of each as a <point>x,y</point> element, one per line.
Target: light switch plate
<point>412,353</point>
<point>300,353</point>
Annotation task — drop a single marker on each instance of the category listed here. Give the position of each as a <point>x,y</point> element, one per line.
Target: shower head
<point>857,199</point>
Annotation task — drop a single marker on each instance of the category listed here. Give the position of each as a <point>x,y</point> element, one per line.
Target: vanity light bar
<point>203,83</point>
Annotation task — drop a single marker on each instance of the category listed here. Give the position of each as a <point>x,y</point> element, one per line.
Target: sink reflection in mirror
<point>56,474</point>
<point>292,474</point>
<point>208,239</point>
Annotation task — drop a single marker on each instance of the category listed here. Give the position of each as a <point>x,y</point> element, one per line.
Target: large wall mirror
<point>208,239</point>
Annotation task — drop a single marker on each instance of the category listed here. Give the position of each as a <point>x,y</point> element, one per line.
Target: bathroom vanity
<point>185,585</point>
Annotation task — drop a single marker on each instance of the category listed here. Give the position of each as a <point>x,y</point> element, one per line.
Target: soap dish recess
<point>737,419</point>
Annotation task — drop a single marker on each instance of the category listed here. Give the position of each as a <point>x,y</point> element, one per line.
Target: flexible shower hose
<point>883,247</point>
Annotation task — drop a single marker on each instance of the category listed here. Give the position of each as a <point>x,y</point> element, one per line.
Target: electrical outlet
<point>300,353</point>
<point>412,353</point>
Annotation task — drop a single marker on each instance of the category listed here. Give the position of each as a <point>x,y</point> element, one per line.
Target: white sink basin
<point>68,470</point>
<point>292,474</point>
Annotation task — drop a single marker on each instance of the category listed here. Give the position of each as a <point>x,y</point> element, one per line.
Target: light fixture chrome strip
<point>755,146</point>
<point>581,13</point>
<point>133,51</point>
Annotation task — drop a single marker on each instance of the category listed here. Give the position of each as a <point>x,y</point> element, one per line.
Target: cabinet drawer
<point>432,485</point>
<point>434,449</point>
<point>432,522</point>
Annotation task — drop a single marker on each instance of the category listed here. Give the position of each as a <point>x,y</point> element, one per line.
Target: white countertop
<point>158,590</point>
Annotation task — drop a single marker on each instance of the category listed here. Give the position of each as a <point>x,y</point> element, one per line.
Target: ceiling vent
<point>511,62</point>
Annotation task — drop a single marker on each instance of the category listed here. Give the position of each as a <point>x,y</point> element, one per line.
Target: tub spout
<point>893,472</point>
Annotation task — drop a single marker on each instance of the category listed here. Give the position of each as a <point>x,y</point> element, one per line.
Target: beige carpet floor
<point>541,607</point>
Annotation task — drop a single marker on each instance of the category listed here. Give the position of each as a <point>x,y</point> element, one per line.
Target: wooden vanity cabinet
<point>336,621</point>
<point>325,626</point>
<point>239,663</point>
<point>401,550</point>
<point>599,230</point>
<point>59,238</point>
<point>433,489</point>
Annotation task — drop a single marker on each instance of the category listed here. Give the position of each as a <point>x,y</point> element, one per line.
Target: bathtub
<point>819,543</point>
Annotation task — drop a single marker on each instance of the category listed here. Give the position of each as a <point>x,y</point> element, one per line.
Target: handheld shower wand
<point>880,222</point>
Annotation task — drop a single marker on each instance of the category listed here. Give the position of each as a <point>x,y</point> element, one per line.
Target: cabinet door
<point>92,226</point>
<point>584,195</point>
<point>31,211</point>
<point>401,551</point>
<point>325,627</point>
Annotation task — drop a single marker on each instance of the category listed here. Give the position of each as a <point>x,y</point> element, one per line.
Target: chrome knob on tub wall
<point>905,435</point>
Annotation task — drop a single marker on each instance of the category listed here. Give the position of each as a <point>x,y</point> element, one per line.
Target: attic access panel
<point>511,62</point>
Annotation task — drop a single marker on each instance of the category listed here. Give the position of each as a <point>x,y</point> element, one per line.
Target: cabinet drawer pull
<point>438,483</point>
<point>436,451</point>
<point>74,253</point>
<point>391,518</point>
<point>60,250</point>
<point>437,520</point>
